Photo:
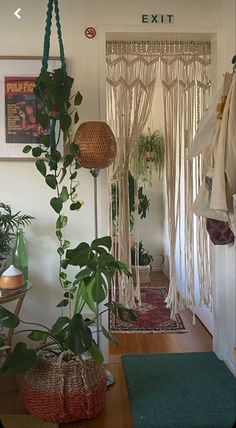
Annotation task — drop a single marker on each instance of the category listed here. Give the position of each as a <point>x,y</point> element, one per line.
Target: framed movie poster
<point>19,105</point>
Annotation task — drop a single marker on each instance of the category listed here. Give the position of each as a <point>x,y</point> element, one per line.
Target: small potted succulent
<point>143,258</point>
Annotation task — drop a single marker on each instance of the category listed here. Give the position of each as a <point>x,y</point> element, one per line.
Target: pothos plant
<point>96,267</point>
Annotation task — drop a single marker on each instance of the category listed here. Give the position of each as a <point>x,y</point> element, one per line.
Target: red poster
<point>21,106</point>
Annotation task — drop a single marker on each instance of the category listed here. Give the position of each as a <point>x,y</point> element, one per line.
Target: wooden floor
<point>117,413</point>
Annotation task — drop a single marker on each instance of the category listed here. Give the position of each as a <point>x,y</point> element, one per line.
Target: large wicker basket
<point>65,391</point>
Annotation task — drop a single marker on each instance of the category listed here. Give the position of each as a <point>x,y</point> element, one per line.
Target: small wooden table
<point>6,296</point>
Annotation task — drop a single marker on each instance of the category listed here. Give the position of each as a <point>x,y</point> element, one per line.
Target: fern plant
<point>149,155</point>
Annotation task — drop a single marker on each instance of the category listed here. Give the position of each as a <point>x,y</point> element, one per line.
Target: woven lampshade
<point>97,145</point>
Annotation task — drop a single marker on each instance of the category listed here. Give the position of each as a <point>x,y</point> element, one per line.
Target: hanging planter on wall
<point>53,88</point>
<point>97,144</point>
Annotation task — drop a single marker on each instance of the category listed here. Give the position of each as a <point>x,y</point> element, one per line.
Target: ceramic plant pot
<point>144,274</point>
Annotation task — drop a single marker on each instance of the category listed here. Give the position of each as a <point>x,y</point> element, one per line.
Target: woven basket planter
<point>144,274</point>
<point>97,145</point>
<point>65,391</point>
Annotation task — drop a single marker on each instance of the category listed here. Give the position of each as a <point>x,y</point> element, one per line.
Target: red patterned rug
<point>153,315</point>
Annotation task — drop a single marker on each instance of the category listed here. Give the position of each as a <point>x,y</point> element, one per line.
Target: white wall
<point>20,184</point>
<point>151,229</point>
<point>22,187</point>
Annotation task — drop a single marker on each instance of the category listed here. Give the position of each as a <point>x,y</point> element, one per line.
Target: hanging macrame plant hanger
<point>63,81</point>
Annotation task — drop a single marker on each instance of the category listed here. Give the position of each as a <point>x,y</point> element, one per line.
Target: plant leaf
<point>20,360</point>
<point>110,336</point>
<point>63,303</point>
<point>61,221</point>
<point>56,204</point>
<point>96,353</point>
<point>73,175</point>
<point>68,160</point>
<point>64,263</point>
<point>61,325</point>
<point>27,149</point>
<point>74,149</point>
<point>37,151</point>
<point>59,234</point>
<point>63,174</point>
<point>105,241</point>
<point>79,255</point>
<point>41,166</point>
<point>125,314</point>
<point>76,117</point>
<point>80,336</point>
<point>100,288</point>
<point>86,291</point>
<point>60,251</point>
<point>64,195</point>
<point>66,244</point>
<point>82,274</point>
<point>65,122</point>
<point>51,181</point>
<point>75,206</point>
<point>38,336</point>
<point>8,319</point>
<point>78,99</point>
<point>63,275</point>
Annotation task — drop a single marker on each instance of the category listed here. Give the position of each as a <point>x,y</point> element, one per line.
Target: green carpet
<point>191,390</point>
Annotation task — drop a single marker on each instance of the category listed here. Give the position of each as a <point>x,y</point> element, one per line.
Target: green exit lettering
<point>160,18</point>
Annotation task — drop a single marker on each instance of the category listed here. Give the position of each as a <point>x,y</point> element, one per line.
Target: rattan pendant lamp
<point>97,150</point>
<point>97,144</point>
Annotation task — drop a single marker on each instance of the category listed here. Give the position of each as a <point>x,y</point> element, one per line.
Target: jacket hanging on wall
<point>215,197</point>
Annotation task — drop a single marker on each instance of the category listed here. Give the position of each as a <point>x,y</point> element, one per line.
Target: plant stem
<point>26,330</point>
<point>34,323</point>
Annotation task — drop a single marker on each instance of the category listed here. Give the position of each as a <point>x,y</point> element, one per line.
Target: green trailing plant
<point>9,223</point>
<point>143,202</point>
<point>149,155</point>
<point>96,267</point>
<point>144,257</point>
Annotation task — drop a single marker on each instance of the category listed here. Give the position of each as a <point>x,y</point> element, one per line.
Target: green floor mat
<point>190,390</point>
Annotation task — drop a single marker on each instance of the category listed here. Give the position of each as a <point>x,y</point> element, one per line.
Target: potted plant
<point>144,259</point>
<point>9,223</point>
<point>64,379</point>
<point>149,155</point>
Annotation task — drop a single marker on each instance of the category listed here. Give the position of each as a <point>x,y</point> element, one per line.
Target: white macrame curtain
<point>186,94</point>
<point>185,72</point>
<point>130,89</point>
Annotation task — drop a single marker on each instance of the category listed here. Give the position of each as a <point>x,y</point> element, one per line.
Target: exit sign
<point>160,18</point>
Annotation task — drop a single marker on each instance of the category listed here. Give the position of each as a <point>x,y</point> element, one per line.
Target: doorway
<point>181,71</point>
